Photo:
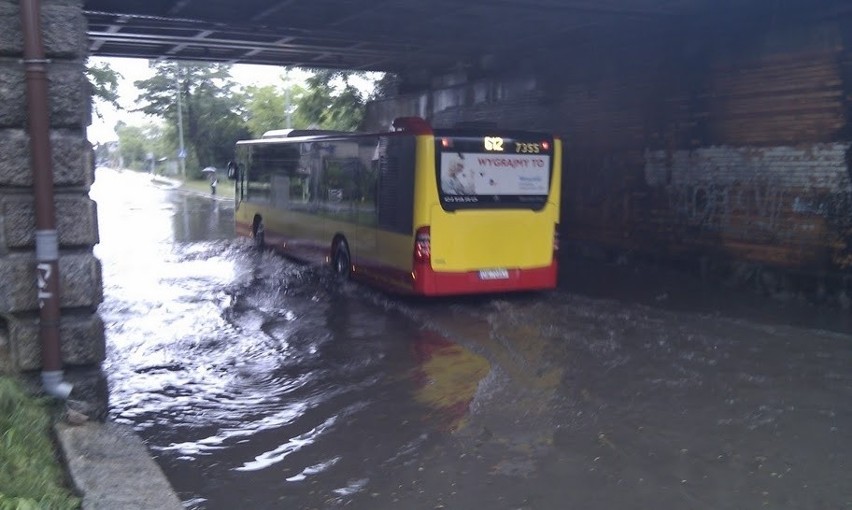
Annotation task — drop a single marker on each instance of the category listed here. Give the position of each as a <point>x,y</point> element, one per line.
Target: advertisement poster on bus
<point>494,174</point>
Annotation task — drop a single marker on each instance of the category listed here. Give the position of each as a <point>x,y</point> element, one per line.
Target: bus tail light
<point>422,246</point>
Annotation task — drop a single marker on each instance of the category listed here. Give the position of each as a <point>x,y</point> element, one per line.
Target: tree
<point>210,105</point>
<point>331,101</point>
<point>104,82</point>
<point>135,143</point>
<point>266,108</point>
<point>387,86</point>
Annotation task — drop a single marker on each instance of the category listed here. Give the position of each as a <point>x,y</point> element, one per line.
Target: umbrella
<point>208,170</point>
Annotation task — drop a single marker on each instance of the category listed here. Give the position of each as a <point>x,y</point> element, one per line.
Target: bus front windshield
<point>494,172</point>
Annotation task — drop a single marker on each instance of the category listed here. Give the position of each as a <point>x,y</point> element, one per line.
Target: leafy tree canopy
<point>332,101</point>
<point>268,108</point>
<point>211,107</point>
<point>216,113</point>
<point>104,82</point>
<point>136,143</point>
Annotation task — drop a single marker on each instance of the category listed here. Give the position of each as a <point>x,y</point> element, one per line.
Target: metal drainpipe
<point>47,244</point>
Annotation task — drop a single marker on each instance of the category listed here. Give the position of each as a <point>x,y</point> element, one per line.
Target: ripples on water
<point>239,367</point>
<point>259,383</point>
<point>248,376</point>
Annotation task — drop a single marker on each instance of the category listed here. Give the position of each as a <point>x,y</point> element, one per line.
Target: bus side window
<point>364,182</point>
<point>298,187</point>
<point>396,184</point>
<point>314,176</point>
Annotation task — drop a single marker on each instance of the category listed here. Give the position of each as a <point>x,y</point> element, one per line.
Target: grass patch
<point>31,476</point>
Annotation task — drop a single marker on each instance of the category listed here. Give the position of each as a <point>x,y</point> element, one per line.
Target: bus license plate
<point>494,274</point>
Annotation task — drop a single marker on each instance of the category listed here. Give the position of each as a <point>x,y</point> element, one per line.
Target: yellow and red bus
<point>415,210</point>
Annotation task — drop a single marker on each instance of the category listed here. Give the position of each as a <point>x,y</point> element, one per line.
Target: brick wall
<point>81,329</point>
<point>775,205</point>
<point>743,157</point>
<point>732,145</point>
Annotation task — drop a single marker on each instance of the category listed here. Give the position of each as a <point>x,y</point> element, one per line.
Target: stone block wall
<point>81,290</point>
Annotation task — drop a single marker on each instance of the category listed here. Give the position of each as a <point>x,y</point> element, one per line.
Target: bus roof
<point>401,125</point>
<point>292,133</point>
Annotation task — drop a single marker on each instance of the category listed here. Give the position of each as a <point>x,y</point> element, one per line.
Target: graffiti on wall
<point>777,195</point>
<point>718,207</point>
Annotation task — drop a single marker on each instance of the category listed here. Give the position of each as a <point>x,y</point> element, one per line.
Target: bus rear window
<point>493,172</point>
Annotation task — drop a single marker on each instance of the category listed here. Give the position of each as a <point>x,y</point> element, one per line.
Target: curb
<point>111,468</point>
<point>159,179</point>
<point>177,185</point>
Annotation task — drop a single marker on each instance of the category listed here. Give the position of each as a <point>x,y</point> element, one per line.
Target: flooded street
<point>257,382</point>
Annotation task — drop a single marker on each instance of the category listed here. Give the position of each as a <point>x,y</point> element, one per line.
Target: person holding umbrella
<point>214,180</point>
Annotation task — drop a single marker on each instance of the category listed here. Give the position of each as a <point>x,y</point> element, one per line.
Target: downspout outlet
<point>55,385</point>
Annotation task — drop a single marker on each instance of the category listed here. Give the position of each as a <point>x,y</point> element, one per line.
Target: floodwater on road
<point>257,382</point>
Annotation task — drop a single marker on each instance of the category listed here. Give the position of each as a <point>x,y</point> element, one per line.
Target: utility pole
<point>182,151</point>
<point>287,108</point>
<point>288,114</point>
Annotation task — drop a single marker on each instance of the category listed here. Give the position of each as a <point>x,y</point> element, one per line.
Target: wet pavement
<point>257,382</point>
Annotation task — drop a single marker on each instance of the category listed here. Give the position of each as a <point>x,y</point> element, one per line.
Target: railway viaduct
<point>714,133</point>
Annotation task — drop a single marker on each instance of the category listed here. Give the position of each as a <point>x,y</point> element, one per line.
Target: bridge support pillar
<point>80,288</point>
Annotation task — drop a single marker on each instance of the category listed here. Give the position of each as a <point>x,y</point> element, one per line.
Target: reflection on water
<point>448,376</point>
<point>250,377</point>
<point>200,218</point>
<point>259,383</point>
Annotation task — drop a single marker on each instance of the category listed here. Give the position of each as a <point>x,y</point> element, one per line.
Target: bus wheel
<point>258,234</point>
<point>342,263</point>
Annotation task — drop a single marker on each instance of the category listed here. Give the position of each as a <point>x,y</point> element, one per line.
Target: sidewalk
<point>166,181</point>
<point>111,468</point>
<point>194,189</point>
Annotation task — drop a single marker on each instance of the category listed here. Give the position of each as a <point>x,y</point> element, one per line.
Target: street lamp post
<point>288,115</point>
<point>287,107</point>
<point>182,151</point>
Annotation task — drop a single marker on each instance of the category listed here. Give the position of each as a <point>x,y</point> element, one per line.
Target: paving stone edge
<point>111,468</point>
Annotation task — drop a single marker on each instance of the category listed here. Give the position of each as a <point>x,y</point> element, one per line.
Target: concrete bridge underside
<point>716,133</point>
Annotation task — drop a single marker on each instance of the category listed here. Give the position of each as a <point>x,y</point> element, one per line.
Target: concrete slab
<point>111,468</point>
